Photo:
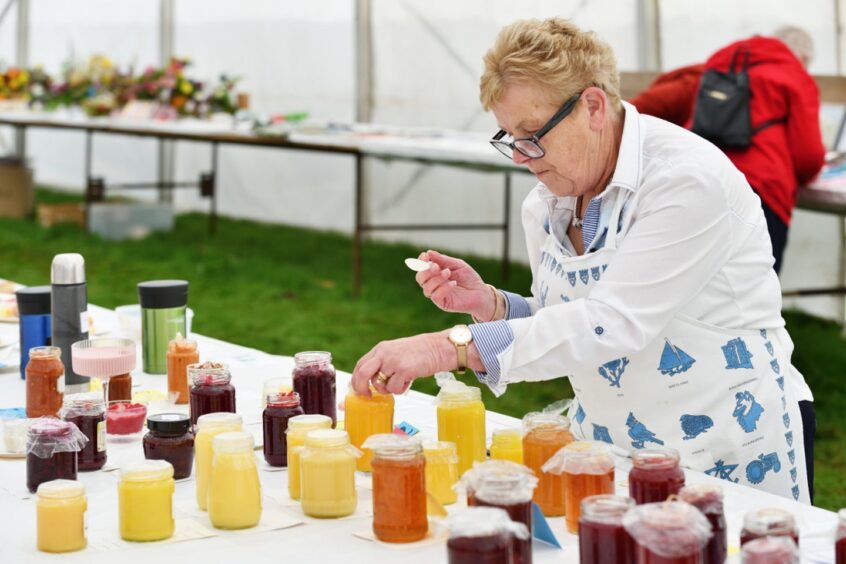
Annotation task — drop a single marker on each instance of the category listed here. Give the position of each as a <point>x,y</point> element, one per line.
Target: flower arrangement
<point>14,84</point>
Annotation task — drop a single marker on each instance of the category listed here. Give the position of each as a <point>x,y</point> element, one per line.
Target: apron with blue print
<point>716,395</point>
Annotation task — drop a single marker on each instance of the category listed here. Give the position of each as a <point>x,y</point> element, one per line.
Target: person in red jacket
<point>781,157</point>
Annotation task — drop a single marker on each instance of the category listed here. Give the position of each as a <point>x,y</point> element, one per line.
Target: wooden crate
<point>50,214</point>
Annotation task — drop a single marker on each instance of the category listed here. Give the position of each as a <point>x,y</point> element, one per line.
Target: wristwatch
<point>460,336</point>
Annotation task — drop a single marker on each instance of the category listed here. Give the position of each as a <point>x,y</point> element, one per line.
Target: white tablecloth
<point>312,540</point>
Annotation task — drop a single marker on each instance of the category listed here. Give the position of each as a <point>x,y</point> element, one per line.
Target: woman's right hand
<point>454,286</point>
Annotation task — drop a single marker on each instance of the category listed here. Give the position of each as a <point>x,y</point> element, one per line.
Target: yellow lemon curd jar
<point>234,488</point>
<point>461,420</point>
<point>145,501</point>
<point>364,417</point>
<point>298,428</point>
<point>60,514</point>
<point>507,444</point>
<point>441,470</point>
<point>208,427</point>
<point>327,474</point>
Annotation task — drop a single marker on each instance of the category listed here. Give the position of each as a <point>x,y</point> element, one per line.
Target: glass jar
<point>482,535</point>
<point>768,522</point>
<point>496,485</point>
<point>234,488</point>
<point>211,389</point>
<point>507,444</point>
<point>327,474</point>
<point>281,407</point>
<point>125,420</point>
<point>461,420</point>
<point>655,475</point>
<point>588,469</point>
<point>170,438</point>
<point>709,500</point>
<point>544,434</point>
<point>181,353</point>
<point>314,380</point>
<point>399,488</point>
<point>88,412</point>
<point>602,538</point>
<point>60,514</point>
<point>672,532</point>
<point>364,417</point>
<point>274,385</point>
<point>840,538</point>
<point>298,428</point>
<point>14,434</point>
<point>441,470</point>
<point>45,382</point>
<point>51,451</point>
<point>145,501</point>
<point>208,427</point>
<point>120,388</point>
<point>770,550</point>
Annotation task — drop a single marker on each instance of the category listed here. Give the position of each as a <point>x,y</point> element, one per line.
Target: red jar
<point>770,550</point>
<point>672,532</point>
<point>655,475</point>
<point>88,412</point>
<point>51,451</point>
<point>768,522</point>
<point>211,389</point>
<point>602,538</point>
<point>170,438</point>
<point>281,406</point>
<point>120,388</point>
<point>314,380</point>
<point>840,538</point>
<point>482,535</point>
<point>709,500</point>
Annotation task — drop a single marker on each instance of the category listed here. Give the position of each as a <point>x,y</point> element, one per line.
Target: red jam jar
<point>655,475</point>
<point>88,412</point>
<point>840,538</point>
<point>51,451</point>
<point>281,406</point>
<point>211,389</point>
<point>672,532</point>
<point>482,535</point>
<point>45,382</point>
<point>602,538</point>
<point>768,522</point>
<point>314,380</point>
<point>770,550</point>
<point>170,438</point>
<point>709,500</point>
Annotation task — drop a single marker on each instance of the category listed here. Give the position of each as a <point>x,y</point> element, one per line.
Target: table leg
<point>213,213</point>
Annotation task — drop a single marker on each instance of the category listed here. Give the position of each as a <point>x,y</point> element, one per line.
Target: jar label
<point>60,383</point>
<point>101,436</point>
<point>83,321</point>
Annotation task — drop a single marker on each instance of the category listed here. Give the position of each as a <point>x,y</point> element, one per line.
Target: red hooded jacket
<point>782,156</point>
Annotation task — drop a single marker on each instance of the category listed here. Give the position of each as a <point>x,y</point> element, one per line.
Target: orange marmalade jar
<point>45,382</point>
<point>399,488</point>
<point>180,353</point>
<point>544,434</point>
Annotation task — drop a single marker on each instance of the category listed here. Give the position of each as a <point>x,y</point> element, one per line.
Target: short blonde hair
<point>799,41</point>
<point>554,54</point>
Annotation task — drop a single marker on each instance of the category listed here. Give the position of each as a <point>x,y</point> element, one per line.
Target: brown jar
<point>45,382</point>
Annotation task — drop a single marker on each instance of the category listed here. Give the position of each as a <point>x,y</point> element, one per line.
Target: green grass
<point>283,290</point>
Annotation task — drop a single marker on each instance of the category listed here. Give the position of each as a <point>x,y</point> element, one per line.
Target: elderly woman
<point>653,288</point>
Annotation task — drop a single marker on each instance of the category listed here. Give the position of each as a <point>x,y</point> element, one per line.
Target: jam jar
<point>314,380</point>
<point>45,382</point>
<point>211,389</point>
<point>655,475</point>
<point>281,406</point>
<point>170,439</point>
<point>770,550</point>
<point>51,451</point>
<point>482,535</point>
<point>768,522</point>
<point>673,532</point>
<point>602,538</point>
<point>88,412</point>
<point>708,499</point>
<point>120,388</point>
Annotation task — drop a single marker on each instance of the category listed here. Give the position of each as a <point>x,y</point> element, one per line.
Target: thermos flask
<point>35,322</point>
<point>69,313</point>
<point>163,307</point>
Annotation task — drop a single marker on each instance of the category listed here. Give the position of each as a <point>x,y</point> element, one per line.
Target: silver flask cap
<point>68,268</point>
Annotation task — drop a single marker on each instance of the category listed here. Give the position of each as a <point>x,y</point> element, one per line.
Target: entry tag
<point>406,428</point>
<point>541,529</point>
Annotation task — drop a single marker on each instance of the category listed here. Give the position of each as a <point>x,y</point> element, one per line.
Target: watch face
<point>460,335</point>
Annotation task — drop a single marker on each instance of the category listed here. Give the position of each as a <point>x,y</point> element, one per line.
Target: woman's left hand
<point>402,361</point>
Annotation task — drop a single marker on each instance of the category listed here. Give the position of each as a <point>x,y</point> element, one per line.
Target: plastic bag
<point>581,457</point>
<point>49,435</point>
<point>484,522</point>
<point>670,529</point>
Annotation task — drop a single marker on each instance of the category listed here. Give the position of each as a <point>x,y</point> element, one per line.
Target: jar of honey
<point>655,475</point>
<point>461,420</point>
<point>399,488</point>
<point>88,412</point>
<point>208,427</point>
<point>364,417</point>
<point>60,512</point>
<point>588,469</point>
<point>145,501</point>
<point>544,434</point>
<point>298,428</point>
<point>45,382</point>
<point>234,488</point>
<point>327,474</point>
<point>181,353</point>
<point>441,470</point>
<point>507,444</point>
<point>482,535</point>
<point>673,532</point>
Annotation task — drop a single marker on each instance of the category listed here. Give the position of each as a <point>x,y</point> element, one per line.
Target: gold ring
<point>382,378</point>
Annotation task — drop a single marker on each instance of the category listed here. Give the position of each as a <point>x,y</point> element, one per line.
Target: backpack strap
<point>768,123</point>
<point>741,50</point>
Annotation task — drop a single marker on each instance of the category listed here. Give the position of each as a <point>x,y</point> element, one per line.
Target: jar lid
<point>147,471</point>
<point>670,529</point>
<point>47,427</point>
<point>769,521</point>
<point>163,294</point>
<point>454,390</point>
<point>67,268</point>
<point>538,420</point>
<point>60,489</point>
<point>218,419</point>
<point>484,522</point>
<point>169,423</point>
<point>233,442</point>
<point>605,509</point>
<point>312,357</point>
<point>209,373</point>
<point>392,446</point>
<point>49,435</point>
<point>581,457</point>
<point>309,422</point>
<point>45,352</point>
<point>327,438</point>
<point>705,497</point>
<point>654,458</point>
<point>34,300</point>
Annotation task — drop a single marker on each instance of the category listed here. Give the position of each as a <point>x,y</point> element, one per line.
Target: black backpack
<point>722,113</point>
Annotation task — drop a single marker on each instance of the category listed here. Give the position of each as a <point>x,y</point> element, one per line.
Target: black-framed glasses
<point>530,146</point>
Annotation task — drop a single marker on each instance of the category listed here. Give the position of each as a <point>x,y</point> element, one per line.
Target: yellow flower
<point>186,88</point>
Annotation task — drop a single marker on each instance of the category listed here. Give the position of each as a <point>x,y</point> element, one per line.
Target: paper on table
<point>105,540</point>
<point>437,534</point>
<point>273,518</point>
